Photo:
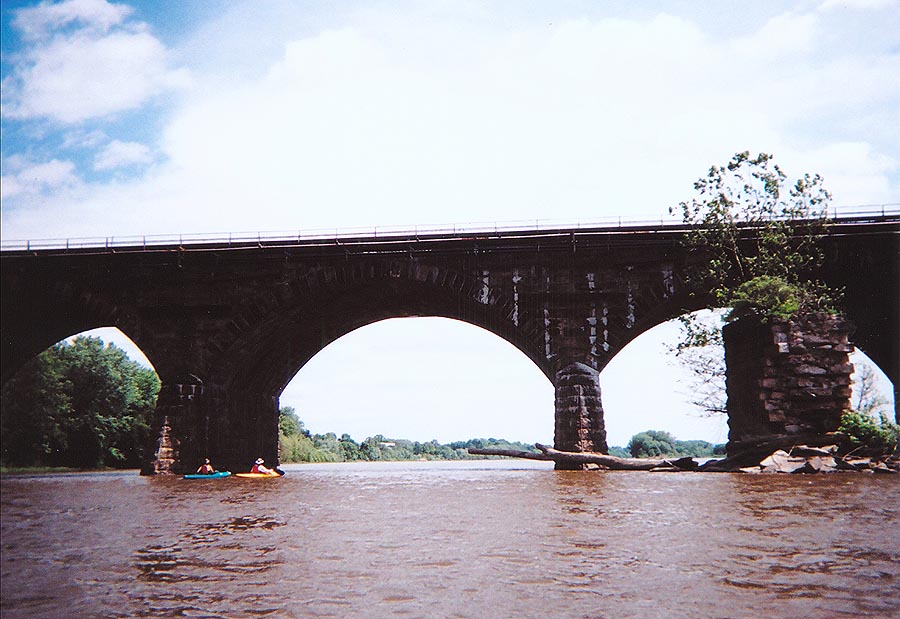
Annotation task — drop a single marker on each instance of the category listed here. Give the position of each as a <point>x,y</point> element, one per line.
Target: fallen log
<point>510,453</point>
<point>812,463</point>
<point>588,457</point>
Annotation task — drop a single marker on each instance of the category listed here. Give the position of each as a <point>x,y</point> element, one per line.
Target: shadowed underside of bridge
<point>227,327</point>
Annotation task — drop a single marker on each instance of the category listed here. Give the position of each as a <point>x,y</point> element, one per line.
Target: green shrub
<point>873,435</point>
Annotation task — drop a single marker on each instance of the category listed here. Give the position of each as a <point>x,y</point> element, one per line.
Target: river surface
<point>484,539</point>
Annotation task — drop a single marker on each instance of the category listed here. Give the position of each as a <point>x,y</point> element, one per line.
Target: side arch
<point>37,317</point>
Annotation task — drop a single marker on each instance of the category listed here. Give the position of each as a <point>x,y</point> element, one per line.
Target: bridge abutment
<point>579,412</point>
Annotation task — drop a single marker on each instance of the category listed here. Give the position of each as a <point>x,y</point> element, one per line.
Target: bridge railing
<point>864,213</point>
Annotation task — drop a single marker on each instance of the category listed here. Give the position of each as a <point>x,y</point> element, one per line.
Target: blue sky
<point>194,116</point>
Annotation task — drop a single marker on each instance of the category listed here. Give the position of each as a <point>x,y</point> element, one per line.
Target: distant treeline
<point>297,444</point>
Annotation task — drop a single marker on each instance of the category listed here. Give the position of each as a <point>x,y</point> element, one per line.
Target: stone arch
<point>242,369</point>
<point>64,309</point>
<point>662,395</point>
<point>272,338</point>
<point>423,378</point>
<point>649,304</point>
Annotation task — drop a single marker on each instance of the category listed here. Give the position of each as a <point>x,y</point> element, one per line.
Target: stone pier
<point>579,412</point>
<point>787,381</point>
<point>194,421</point>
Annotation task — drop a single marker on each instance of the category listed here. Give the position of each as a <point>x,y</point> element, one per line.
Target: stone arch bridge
<point>228,324</point>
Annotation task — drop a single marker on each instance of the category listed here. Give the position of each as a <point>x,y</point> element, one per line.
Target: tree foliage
<point>658,443</point>
<point>870,434</point>
<point>702,353</point>
<point>868,425</point>
<point>867,398</point>
<point>761,238</point>
<point>80,405</point>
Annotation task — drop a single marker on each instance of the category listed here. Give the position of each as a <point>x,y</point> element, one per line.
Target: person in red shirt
<point>260,467</point>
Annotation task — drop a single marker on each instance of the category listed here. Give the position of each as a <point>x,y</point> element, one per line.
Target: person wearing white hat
<point>260,467</point>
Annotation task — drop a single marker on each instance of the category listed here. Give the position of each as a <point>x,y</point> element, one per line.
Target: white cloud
<point>858,5</point>
<point>400,119</point>
<point>785,34</point>
<point>536,124</point>
<point>81,138</point>
<point>35,179</point>
<point>41,21</point>
<point>118,154</point>
<point>87,73</point>
<point>854,169</point>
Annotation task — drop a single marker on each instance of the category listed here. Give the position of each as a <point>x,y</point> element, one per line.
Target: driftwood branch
<point>510,453</point>
<point>589,457</point>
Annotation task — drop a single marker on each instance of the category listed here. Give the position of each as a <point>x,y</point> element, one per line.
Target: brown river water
<point>492,539</point>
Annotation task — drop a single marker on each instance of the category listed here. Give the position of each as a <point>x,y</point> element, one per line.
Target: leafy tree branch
<point>760,237</point>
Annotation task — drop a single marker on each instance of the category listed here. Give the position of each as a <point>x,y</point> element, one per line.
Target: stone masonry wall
<point>786,381</point>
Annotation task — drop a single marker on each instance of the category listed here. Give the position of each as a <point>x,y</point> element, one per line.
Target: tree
<point>82,405</point>
<point>33,403</point>
<point>868,400</point>
<point>868,426</point>
<point>702,353</point>
<point>289,423</point>
<point>656,443</point>
<point>349,448</point>
<point>760,238</point>
<point>872,435</point>
<point>652,443</point>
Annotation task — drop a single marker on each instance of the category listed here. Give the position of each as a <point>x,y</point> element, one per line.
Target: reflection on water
<point>501,539</point>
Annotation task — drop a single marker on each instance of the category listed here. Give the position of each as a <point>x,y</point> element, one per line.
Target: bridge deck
<point>840,221</point>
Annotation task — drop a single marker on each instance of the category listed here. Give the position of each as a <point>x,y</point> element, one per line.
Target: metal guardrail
<point>879,211</point>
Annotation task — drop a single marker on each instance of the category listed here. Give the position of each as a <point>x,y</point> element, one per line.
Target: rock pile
<point>805,459</point>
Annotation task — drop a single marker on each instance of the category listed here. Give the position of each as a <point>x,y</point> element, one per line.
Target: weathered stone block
<point>810,370</point>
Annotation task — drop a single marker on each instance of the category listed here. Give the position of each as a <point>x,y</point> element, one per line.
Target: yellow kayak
<point>256,475</point>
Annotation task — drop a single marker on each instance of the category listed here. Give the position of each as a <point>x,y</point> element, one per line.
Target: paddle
<point>279,471</point>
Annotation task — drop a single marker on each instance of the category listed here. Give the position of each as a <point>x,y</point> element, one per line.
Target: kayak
<point>215,475</point>
<point>256,475</point>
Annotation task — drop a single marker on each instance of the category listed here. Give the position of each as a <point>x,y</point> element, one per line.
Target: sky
<point>203,116</point>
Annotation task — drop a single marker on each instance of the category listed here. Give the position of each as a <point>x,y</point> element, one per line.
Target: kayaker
<point>206,468</point>
<point>260,467</point>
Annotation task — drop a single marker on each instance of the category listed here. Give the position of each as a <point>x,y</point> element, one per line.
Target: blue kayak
<point>208,476</point>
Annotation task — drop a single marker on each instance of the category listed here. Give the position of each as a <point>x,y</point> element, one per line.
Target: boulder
<point>805,451</point>
<point>781,462</point>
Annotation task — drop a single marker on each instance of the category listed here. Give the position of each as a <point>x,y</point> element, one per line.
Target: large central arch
<point>423,379</point>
